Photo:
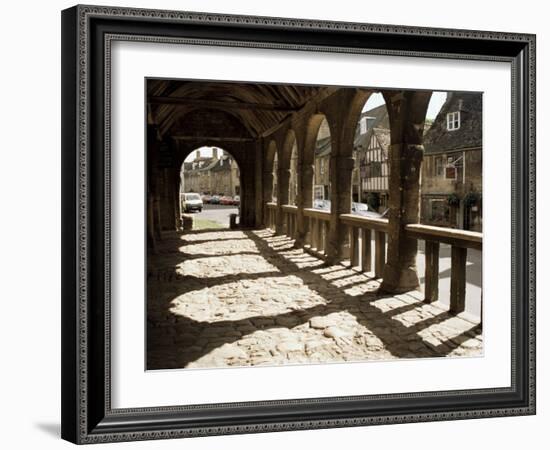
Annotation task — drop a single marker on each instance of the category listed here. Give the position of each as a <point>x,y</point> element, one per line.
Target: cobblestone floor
<point>242,298</point>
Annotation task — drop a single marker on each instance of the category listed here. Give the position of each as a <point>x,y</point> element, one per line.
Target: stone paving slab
<point>249,298</point>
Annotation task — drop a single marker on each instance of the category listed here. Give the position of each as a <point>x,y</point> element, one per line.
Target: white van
<point>190,201</point>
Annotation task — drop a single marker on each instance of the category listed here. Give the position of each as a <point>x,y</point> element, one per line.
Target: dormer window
<point>363,125</point>
<point>453,121</point>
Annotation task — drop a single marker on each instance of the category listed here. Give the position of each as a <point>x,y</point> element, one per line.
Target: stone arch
<point>323,164</point>
<point>286,150</point>
<point>224,175</point>
<point>407,114</point>
<point>185,149</point>
<point>312,128</point>
<point>284,172</point>
<point>368,146</point>
<point>270,152</point>
<point>180,115</point>
<point>351,120</point>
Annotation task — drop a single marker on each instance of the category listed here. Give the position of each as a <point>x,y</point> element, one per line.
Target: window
<point>451,169</point>
<point>363,125</point>
<point>373,169</point>
<point>439,211</point>
<point>453,121</point>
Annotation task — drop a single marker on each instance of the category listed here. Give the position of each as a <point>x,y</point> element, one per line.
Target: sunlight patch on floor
<point>219,266</point>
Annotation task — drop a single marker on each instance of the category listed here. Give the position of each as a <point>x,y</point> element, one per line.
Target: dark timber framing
<point>88,31</point>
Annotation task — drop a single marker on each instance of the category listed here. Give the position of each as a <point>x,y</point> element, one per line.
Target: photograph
<point>293,224</point>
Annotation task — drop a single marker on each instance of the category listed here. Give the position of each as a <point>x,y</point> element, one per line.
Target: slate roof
<point>381,122</point>
<point>439,140</point>
<point>217,165</point>
<point>207,164</point>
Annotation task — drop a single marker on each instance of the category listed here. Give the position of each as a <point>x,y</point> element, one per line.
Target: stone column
<point>258,185</point>
<point>304,200</point>
<point>268,194</point>
<point>400,273</point>
<point>407,111</point>
<point>176,200</point>
<point>341,168</point>
<point>283,178</point>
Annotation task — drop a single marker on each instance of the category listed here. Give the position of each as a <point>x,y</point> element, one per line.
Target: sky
<point>436,102</point>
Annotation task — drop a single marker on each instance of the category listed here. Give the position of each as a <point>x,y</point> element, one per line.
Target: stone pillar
<point>176,200</point>
<point>258,185</point>
<point>304,200</point>
<point>283,178</point>
<point>341,168</point>
<point>407,112</point>
<point>168,210</point>
<point>268,194</point>
<point>400,273</point>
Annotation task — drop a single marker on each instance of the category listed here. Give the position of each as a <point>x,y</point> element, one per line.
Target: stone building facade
<point>451,184</point>
<point>216,175</point>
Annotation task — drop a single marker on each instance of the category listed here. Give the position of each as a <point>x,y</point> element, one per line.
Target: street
<point>217,216</point>
<point>473,276</point>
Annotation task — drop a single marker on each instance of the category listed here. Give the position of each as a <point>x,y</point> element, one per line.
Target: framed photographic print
<point>281,224</point>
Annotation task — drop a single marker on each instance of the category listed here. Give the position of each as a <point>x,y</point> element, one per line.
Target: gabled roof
<point>439,140</point>
<point>381,122</point>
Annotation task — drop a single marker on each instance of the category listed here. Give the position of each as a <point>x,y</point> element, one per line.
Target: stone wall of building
<point>215,175</point>
<point>451,189</point>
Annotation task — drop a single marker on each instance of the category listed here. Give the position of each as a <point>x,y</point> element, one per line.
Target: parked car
<point>190,202</point>
<point>237,200</point>
<point>362,209</point>
<point>215,200</point>
<point>206,198</point>
<point>321,204</point>
<point>226,200</point>
<point>359,208</point>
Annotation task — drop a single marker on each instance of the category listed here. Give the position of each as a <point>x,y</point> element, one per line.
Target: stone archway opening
<point>293,175</point>
<point>322,180</point>
<point>210,189</point>
<point>370,174</point>
<point>275,174</point>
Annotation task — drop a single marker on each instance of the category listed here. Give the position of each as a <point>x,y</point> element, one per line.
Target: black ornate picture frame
<point>87,34</point>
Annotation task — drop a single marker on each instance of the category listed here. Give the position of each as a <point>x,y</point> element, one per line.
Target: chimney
<point>214,153</point>
<point>197,154</point>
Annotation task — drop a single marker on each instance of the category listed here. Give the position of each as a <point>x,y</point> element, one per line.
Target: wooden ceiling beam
<point>181,137</point>
<point>218,104</point>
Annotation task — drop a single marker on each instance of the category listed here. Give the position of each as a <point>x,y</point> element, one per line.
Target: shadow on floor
<point>174,341</point>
